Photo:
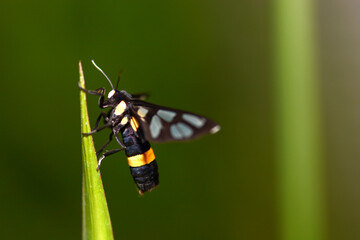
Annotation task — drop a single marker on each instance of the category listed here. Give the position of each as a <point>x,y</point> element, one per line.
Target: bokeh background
<point>211,57</point>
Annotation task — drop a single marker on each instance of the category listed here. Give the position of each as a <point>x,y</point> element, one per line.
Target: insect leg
<point>92,92</point>
<point>100,92</point>
<point>104,146</point>
<point>119,140</point>
<point>102,114</point>
<point>107,153</point>
<point>97,129</point>
<point>116,131</point>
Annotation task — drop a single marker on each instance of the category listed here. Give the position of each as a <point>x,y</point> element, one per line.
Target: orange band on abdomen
<point>141,159</point>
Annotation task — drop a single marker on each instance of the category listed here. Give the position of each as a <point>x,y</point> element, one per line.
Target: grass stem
<point>96,219</point>
<point>298,122</point>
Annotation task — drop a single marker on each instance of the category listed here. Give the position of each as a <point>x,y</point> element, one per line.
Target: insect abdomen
<point>141,159</point>
<point>146,177</point>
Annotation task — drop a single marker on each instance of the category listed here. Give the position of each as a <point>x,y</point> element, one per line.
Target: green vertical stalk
<point>297,124</point>
<point>96,218</point>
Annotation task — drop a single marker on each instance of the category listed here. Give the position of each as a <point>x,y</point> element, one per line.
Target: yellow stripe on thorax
<point>141,159</point>
<point>134,124</point>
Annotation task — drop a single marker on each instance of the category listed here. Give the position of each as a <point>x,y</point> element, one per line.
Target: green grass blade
<point>96,218</point>
<point>298,125</point>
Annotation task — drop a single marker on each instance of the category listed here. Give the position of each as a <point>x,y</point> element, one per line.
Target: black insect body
<point>139,122</point>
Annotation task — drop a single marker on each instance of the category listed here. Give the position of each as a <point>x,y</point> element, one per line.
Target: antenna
<point>118,80</point>
<point>103,73</point>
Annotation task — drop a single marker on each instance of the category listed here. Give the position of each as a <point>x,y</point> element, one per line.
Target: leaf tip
<point>82,80</point>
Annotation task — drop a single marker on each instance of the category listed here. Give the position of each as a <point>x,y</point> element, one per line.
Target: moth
<point>139,122</point>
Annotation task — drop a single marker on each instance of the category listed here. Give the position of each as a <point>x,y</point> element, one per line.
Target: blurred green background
<point>210,57</point>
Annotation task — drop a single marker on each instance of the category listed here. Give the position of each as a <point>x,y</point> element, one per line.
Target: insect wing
<point>140,96</point>
<point>163,124</point>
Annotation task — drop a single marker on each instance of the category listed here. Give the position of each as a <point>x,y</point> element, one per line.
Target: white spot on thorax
<point>120,108</point>
<point>124,121</point>
<point>111,93</point>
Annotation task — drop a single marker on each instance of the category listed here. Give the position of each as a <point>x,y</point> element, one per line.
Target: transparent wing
<point>163,124</point>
